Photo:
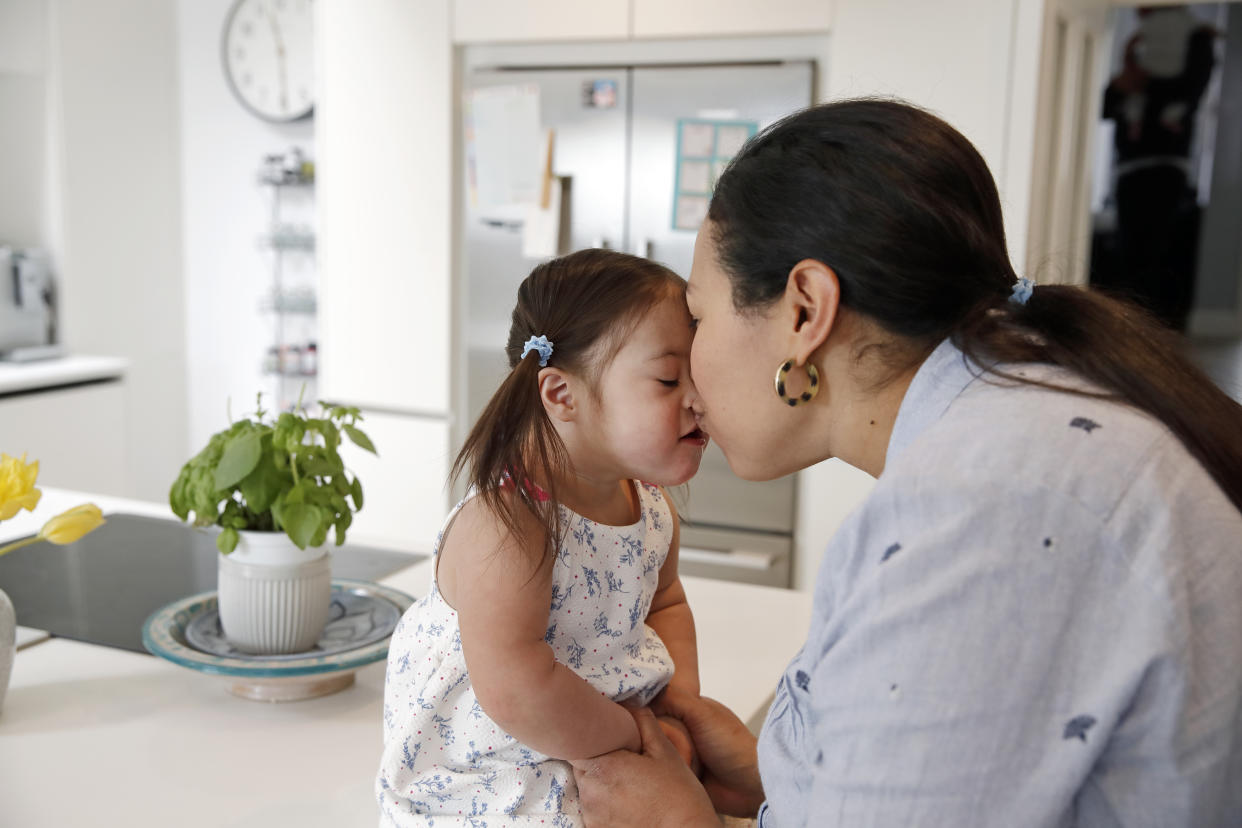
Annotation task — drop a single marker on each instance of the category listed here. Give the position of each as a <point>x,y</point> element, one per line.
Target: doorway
<point>1140,139</point>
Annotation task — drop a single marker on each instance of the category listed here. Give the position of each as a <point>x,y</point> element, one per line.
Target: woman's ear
<point>556,393</point>
<point>812,299</point>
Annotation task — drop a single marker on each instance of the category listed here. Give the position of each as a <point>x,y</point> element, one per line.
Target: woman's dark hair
<point>904,210</point>
<point>586,304</point>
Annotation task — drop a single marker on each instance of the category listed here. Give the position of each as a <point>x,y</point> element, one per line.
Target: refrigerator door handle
<point>740,558</point>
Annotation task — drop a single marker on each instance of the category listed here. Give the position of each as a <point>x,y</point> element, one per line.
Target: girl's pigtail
<point>511,444</point>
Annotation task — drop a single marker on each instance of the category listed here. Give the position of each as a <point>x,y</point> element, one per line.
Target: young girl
<point>555,592</point>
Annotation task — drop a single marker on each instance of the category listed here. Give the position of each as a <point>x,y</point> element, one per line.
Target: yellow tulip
<point>71,525</point>
<point>17,485</point>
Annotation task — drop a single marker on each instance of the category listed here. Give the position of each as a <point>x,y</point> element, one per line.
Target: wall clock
<point>268,56</point>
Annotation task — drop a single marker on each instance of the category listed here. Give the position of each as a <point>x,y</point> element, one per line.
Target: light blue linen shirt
<point>1035,619</point>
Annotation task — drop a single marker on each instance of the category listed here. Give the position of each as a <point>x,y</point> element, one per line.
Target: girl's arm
<point>485,573</point>
<point>670,616</point>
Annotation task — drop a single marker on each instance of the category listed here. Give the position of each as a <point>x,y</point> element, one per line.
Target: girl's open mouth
<point>696,437</point>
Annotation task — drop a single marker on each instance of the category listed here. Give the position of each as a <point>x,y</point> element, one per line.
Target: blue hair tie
<point>1022,290</point>
<point>541,345</point>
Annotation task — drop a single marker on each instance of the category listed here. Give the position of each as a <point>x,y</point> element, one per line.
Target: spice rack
<point>292,360</point>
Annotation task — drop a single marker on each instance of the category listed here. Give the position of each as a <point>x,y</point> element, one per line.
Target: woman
<point>1035,618</point>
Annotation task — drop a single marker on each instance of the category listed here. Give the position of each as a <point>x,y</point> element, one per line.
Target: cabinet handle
<point>740,558</point>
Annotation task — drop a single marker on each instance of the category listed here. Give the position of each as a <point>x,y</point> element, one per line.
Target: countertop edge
<point>35,376</point>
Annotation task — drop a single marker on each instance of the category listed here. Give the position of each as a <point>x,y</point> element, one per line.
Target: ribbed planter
<point>8,643</point>
<point>273,597</point>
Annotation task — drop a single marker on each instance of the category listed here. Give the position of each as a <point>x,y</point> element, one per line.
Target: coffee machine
<point>27,315</point>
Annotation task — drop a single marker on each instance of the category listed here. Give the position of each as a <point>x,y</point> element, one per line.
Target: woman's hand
<point>681,740</point>
<point>725,747</point>
<point>647,790</point>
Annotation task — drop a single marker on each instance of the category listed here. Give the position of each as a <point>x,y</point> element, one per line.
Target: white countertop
<point>98,736</point>
<point>31,376</point>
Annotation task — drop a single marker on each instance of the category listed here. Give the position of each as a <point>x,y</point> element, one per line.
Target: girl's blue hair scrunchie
<point>1022,290</point>
<point>540,345</point>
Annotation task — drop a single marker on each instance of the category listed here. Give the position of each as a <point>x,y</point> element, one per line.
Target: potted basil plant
<point>274,487</point>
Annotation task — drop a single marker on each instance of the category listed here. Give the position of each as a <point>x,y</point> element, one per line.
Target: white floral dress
<point>445,762</point>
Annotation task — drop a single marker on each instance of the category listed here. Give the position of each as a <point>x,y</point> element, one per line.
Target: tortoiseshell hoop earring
<point>812,374</point>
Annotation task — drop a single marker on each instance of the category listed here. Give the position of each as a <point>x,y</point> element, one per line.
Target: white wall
<point>972,62</point>
<point>224,213</point>
<point>115,194</point>
<point>23,113</point>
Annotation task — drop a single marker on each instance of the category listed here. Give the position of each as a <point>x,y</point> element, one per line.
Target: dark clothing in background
<point>1157,210</point>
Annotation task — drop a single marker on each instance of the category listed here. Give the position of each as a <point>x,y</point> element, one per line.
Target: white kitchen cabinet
<point>498,21</point>
<point>384,141</point>
<point>384,146</point>
<point>77,434</point>
<point>716,18</point>
<point>404,492</point>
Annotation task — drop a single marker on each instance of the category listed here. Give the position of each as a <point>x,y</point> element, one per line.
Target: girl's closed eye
<point>694,322</point>
<point>669,383</point>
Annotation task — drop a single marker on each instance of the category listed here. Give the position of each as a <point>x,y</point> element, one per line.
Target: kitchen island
<point>94,735</point>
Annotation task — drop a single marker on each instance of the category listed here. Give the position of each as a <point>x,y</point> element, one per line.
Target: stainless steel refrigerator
<point>627,144</point>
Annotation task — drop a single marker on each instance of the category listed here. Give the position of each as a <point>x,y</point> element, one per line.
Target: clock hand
<point>280,58</point>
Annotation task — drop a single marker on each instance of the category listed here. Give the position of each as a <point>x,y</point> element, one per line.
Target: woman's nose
<point>692,400</point>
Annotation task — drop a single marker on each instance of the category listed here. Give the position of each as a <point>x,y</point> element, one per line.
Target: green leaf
<point>226,541</point>
<point>321,534</point>
<point>177,495</point>
<point>239,459</point>
<point>342,523</point>
<point>359,439</point>
<point>356,491</point>
<point>261,486</point>
<point>301,523</point>
<point>317,467</point>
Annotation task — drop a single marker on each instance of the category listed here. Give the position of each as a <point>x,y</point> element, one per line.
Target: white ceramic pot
<point>8,643</point>
<point>273,597</point>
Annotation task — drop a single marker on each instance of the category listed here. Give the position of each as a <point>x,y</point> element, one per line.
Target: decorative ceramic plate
<point>363,617</point>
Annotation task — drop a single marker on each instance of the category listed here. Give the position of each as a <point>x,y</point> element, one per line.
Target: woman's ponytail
<point>1126,352</point>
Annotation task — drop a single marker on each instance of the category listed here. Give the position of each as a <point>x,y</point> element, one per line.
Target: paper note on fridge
<point>541,231</point>
<point>504,143</point>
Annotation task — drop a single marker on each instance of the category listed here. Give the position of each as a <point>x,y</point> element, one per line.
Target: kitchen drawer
<point>719,499</point>
<point>749,557</point>
<point>77,434</point>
